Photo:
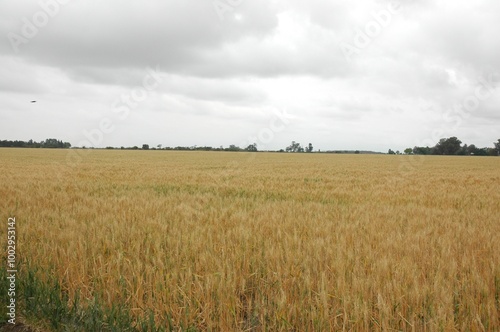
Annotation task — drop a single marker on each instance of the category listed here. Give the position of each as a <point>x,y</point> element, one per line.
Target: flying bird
<point>33,101</point>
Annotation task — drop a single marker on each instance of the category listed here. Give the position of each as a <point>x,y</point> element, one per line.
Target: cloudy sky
<point>366,74</point>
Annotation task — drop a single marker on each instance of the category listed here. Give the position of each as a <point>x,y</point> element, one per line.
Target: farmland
<point>264,241</point>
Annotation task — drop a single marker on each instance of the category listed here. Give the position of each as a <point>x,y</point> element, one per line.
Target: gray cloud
<point>223,75</point>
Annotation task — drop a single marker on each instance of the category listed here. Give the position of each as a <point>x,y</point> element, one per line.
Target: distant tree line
<point>232,147</point>
<point>51,143</point>
<point>296,147</point>
<point>445,146</point>
<point>453,146</point>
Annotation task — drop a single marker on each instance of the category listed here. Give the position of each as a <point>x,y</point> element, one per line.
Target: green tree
<point>52,143</point>
<point>497,147</point>
<point>422,150</point>
<point>408,151</point>
<point>470,150</point>
<point>233,147</point>
<point>294,147</point>
<point>391,152</point>
<point>252,147</point>
<point>145,146</point>
<point>309,148</point>
<point>448,146</point>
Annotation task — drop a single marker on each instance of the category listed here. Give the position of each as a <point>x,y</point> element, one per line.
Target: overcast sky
<point>367,74</point>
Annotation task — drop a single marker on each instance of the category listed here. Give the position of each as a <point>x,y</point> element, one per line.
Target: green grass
<point>47,305</point>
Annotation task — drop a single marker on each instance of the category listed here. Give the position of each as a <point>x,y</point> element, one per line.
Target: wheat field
<point>226,241</point>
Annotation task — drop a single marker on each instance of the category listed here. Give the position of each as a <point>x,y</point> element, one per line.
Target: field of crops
<point>266,241</point>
